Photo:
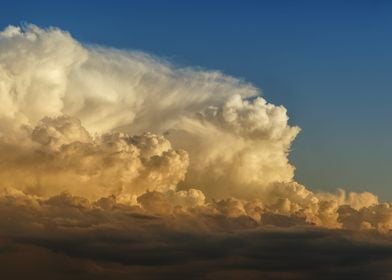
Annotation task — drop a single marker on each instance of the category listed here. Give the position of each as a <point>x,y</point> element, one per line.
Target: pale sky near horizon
<point>327,62</point>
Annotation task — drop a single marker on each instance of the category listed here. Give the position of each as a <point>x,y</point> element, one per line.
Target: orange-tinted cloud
<point>116,163</point>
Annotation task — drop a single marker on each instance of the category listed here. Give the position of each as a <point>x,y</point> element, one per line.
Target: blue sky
<point>328,62</point>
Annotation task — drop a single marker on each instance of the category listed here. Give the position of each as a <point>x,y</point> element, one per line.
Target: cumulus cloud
<point>109,158</point>
<point>64,157</point>
<point>90,121</point>
<point>46,73</point>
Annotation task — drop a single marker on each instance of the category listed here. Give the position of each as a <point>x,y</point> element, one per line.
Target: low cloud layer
<point>66,237</point>
<point>115,163</point>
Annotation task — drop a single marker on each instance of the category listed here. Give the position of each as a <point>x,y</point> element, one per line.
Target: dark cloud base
<point>67,237</point>
<point>259,253</point>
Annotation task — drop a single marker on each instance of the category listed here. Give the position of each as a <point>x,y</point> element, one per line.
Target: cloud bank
<point>118,163</point>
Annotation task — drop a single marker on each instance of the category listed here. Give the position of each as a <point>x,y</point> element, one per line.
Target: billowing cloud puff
<point>110,158</point>
<point>238,149</point>
<point>64,157</point>
<point>53,133</point>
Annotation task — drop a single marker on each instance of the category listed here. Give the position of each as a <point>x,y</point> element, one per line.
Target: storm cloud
<point>117,164</point>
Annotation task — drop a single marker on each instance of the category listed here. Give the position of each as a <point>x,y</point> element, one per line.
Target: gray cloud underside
<point>65,237</point>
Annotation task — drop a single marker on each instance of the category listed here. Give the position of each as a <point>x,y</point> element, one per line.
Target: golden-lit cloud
<point>129,152</point>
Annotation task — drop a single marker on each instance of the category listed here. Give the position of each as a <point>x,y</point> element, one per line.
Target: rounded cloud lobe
<point>99,142</point>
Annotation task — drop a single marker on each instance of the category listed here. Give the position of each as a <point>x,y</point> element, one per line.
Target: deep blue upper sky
<point>328,62</point>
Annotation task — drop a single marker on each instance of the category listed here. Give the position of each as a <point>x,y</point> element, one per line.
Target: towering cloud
<point>90,121</point>
<point>99,142</point>
<point>237,146</point>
